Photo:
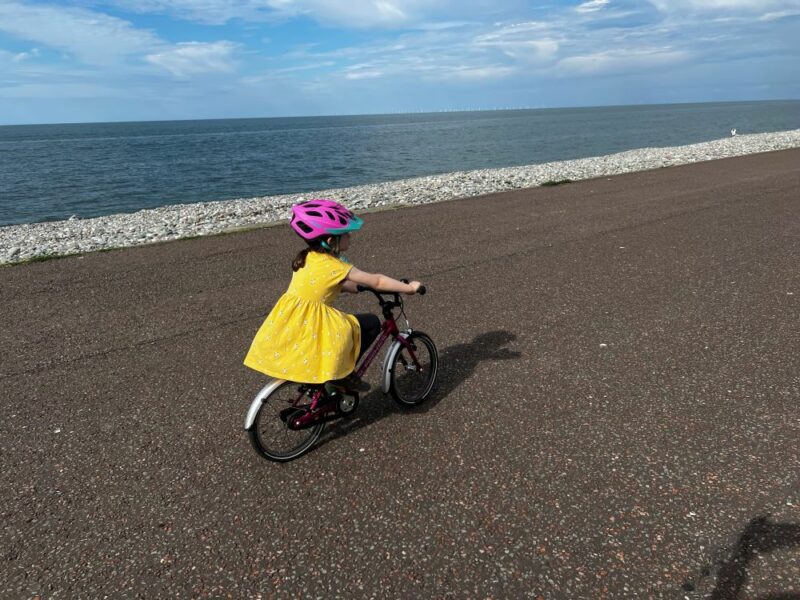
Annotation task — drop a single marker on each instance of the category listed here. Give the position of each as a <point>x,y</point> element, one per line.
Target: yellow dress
<point>304,338</point>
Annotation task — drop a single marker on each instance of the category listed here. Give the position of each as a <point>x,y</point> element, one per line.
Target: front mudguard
<point>265,391</point>
<point>388,361</point>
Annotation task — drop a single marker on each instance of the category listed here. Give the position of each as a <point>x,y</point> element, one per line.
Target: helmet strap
<point>333,247</point>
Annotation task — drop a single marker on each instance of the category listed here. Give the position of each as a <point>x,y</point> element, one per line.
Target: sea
<point>54,172</point>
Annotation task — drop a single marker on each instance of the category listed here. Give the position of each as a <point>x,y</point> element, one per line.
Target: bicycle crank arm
<point>309,419</point>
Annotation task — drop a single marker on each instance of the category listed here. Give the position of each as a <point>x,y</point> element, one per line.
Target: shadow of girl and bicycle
<point>761,536</point>
<point>456,364</point>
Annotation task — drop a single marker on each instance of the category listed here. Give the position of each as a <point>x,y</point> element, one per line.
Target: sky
<point>131,60</point>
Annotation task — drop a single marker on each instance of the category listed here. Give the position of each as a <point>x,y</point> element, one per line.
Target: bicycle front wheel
<point>270,434</point>
<point>413,372</point>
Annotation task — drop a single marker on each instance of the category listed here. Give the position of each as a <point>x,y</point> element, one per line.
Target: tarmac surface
<point>616,414</point>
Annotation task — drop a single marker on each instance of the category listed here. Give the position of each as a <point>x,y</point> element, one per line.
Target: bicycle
<point>286,418</point>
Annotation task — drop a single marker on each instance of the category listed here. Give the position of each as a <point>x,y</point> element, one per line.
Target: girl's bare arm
<point>350,287</point>
<point>379,282</point>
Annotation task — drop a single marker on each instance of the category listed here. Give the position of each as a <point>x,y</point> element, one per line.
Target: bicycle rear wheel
<point>270,434</point>
<point>411,381</point>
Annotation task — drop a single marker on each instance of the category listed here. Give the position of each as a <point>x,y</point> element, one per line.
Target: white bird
<point>733,132</point>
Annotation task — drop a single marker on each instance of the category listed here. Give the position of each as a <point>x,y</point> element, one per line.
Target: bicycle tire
<point>408,385</point>
<point>269,429</point>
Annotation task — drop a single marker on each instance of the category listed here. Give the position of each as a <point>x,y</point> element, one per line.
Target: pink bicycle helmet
<point>322,217</point>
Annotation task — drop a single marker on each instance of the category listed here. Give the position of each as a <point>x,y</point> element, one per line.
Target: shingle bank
<point>19,243</point>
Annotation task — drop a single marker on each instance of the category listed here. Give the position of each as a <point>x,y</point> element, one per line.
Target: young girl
<point>305,339</point>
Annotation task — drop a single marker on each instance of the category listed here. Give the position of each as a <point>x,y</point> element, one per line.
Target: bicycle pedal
<point>347,404</point>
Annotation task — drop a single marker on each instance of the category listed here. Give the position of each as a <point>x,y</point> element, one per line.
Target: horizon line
<point>403,112</point>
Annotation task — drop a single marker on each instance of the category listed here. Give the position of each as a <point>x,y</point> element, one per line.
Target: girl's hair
<point>316,245</point>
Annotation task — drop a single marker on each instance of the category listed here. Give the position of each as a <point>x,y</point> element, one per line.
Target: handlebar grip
<point>421,290</point>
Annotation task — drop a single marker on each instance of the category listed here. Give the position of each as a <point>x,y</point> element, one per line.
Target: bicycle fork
<point>401,342</point>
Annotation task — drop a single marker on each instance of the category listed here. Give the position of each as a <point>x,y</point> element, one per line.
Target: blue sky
<point>120,60</point>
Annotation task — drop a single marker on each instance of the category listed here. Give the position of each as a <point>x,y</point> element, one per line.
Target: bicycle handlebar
<point>421,290</point>
<point>387,305</point>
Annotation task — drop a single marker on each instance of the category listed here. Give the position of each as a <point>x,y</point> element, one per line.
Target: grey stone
<point>152,225</point>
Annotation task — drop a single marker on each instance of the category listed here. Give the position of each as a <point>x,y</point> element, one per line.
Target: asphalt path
<point>616,414</point>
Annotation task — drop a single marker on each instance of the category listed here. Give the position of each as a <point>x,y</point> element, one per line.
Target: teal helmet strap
<point>327,246</point>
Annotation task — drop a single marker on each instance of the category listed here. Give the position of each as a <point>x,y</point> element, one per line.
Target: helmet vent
<point>321,216</point>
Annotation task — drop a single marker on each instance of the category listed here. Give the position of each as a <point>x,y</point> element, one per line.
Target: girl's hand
<point>414,287</point>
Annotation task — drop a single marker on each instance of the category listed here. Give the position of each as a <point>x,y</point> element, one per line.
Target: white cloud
<point>357,14</point>
<point>592,6</point>
<point>101,40</point>
<point>365,71</point>
<point>525,42</point>
<point>504,32</point>
<point>92,37</point>
<point>364,13</point>
<point>469,73</point>
<point>559,43</point>
<point>350,13</point>
<point>752,6</point>
<point>556,47</point>
<point>23,56</point>
<point>442,25</point>
<point>211,12</point>
<point>347,13</point>
<point>194,57</point>
<point>442,46</point>
<point>61,91</point>
<point>619,61</point>
<point>775,16</point>
<point>436,56</point>
<point>307,67</point>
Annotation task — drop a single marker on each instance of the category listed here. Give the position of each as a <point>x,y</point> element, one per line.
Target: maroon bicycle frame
<point>389,329</point>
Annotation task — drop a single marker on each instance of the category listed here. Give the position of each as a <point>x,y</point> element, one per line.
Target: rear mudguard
<point>265,391</point>
<point>388,361</point>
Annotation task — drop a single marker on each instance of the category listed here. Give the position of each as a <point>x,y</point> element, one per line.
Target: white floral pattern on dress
<point>304,338</point>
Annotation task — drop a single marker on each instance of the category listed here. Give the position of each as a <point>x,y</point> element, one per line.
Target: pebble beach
<point>20,243</point>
